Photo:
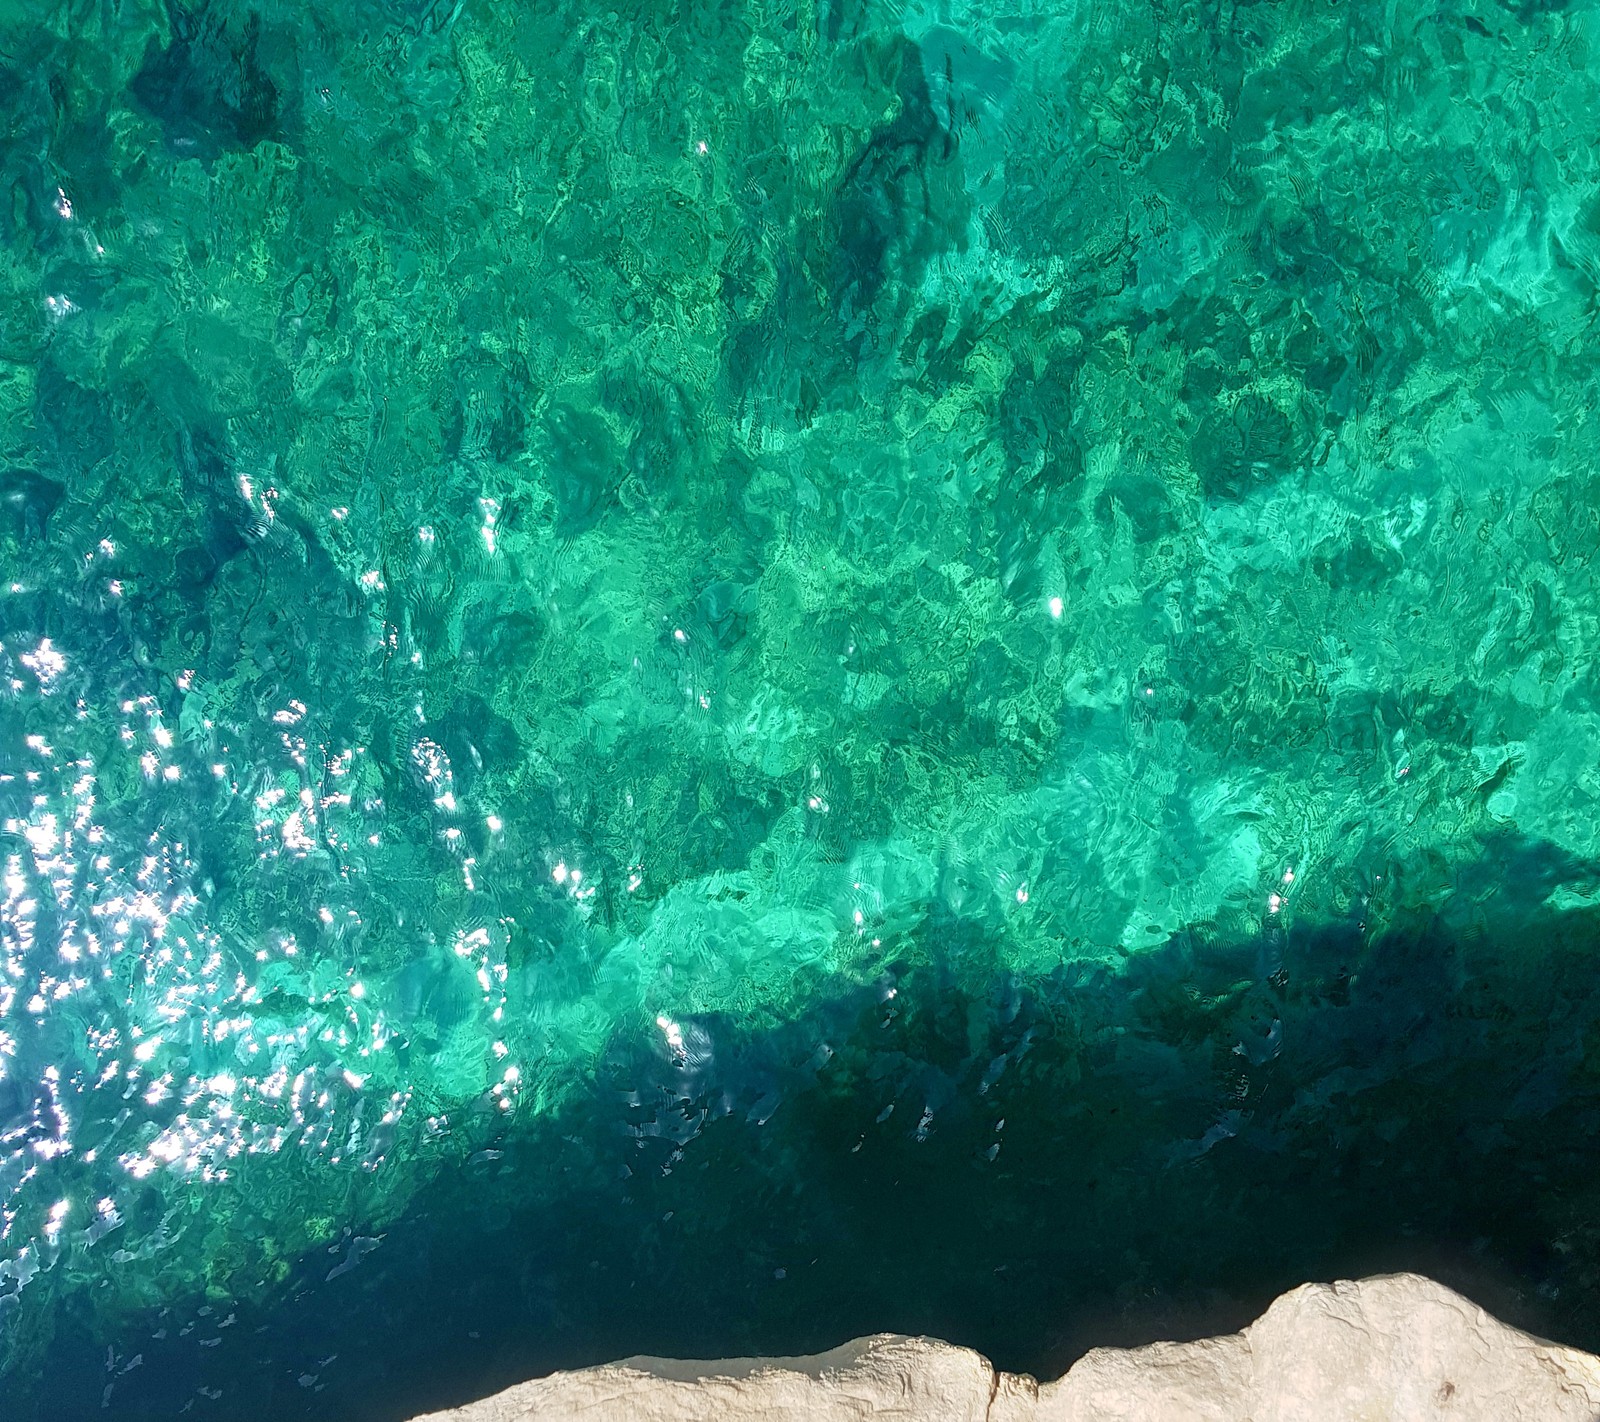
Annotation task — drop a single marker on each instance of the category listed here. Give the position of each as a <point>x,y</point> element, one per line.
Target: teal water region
<point>705,677</point>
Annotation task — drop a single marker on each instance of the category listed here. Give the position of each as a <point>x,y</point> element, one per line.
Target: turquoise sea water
<point>700,678</point>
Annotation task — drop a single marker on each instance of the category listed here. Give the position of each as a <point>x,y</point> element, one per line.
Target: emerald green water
<point>699,678</point>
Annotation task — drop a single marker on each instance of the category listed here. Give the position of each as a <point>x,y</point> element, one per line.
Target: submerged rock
<point>1398,1347</point>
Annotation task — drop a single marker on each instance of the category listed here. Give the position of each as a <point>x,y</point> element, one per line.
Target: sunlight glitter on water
<point>105,926</point>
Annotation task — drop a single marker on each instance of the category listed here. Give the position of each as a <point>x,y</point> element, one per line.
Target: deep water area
<point>704,677</point>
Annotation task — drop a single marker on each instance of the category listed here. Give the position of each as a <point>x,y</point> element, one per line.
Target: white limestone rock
<point>1399,1348</point>
<point>883,1377</point>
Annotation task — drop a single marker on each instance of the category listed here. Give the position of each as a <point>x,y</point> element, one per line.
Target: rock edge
<point>1396,1348</point>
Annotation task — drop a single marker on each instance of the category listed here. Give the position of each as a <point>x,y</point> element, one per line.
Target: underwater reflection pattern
<point>714,677</point>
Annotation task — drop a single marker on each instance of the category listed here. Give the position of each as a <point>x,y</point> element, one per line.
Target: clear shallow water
<point>700,681</point>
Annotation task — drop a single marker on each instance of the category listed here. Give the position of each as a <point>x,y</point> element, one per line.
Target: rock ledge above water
<point>1397,1347</point>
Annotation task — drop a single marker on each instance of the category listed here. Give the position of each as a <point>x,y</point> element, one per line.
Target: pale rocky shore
<point>1397,1348</point>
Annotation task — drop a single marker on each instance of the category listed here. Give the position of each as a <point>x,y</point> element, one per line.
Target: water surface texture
<point>699,677</point>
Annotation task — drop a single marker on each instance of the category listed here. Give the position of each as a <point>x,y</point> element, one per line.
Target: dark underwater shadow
<point>1111,1156</point>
